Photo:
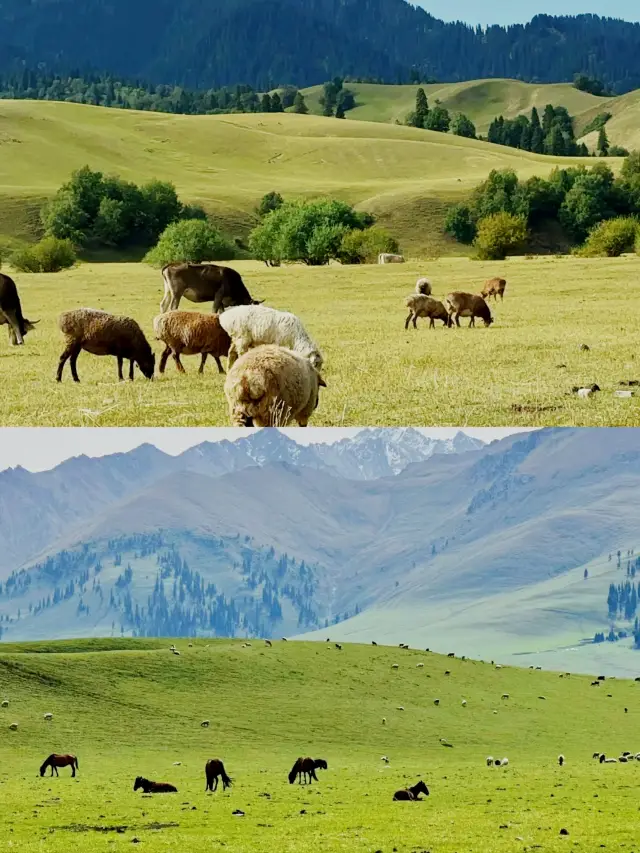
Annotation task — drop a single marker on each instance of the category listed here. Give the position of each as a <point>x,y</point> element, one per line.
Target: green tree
<point>438,119</point>
<point>363,247</point>
<point>459,223</point>
<point>587,202</point>
<point>276,103</point>
<point>463,126</point>
<point>537,136</point>
<point>422,108</point>
<point>500,234</point>
<point>339,111</point>
<point>49,255</point>
<point>299,105</point>
<point>603,143</point>
<point>265,103</point>
<point>555,142</point>
<point>270,201</point>
<point>327,109</point>
<point>612,238</point>
<point>190,240</point>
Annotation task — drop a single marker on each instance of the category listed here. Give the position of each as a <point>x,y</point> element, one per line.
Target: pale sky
<point>40,449</point>
<point>521,11</point>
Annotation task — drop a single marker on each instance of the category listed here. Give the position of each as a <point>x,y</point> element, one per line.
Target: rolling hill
<point>226,163</point>
<point>484,550</point>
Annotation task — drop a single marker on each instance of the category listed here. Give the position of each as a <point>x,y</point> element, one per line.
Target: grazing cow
<point>386,258</point>
<point>412,794</point>
<point>11,312</point>
<point>494,287</point>
<point>204,283</point>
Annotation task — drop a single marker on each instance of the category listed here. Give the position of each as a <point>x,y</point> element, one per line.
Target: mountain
<point>506,550</point>
<point>190,43</point>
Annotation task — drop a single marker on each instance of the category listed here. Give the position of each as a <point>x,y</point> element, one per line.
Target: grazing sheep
<point>638,756</point>
<point>190,645</point>
<point>494,287</point>
<point>459,304</point>
<point>498,665</point>
<point>13,727</point>
<point>191,333</point>
<point>384,721</point>
<point>447,672</point>
<point>395,666</point>
<point>610,761</point>
<point>373,643</point>
<point>623,759</point>
<point>436,701</point>
<point>423,287</point>
<point>253,325</point>
<point>387,258</point>
<point>419,665</point>
<point>384,758</point>
<point>272,386</point>
<point>504,762</point>
<point>5,703</point>
<point>268,643</point>
<point>400,708</point>
<point>595,684</point>
<point>596,755</point>
<point>338,646</point>
<point>176,652</point>
<point>561,760</point>
<point>490,761</point>
<point>48,717</point>
<point>427,307</point>
<point>451,655</point>
<point>464,703</point>
<point>205,724</point>
<point>100,333</point>
<point>497,762</point>
<point>505,695</point>
<point>539,668</point>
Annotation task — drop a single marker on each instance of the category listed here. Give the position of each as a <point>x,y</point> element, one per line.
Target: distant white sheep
<point>14,727</point>
<point>561,760</point>
<point>610,761</point>
<point>505,695</point>
<point>423,286</point>
<point>395,666</point>
<point>419,665</point>
<point>464,703</point>
<point>436,701</point>
<point>48,717</point>
<point>5,703</point>
<point>498,666</point>
<point>504,762</point>
<point>250,326</point>
<point>490,761</point>
<point>384,758</point>
<point>384,721</point>
<point>205,724</point>
<point>400,708</point>
<point>176,652</point>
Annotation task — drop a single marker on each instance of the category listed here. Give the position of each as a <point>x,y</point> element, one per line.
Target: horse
<point>306,767</point>
<point>212,770</point>
<point>54,761</point>
<point>412,793</point>
<point>154,787</point>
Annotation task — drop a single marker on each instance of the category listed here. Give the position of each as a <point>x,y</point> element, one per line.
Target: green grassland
<point>520,371</point>
<point>227,163</point>
<point>134,708</point>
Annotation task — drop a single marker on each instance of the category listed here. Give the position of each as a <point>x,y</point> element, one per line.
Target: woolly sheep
<point>423,287</point>
<point>425,306</point>
<point>5,703</point>
<point>436,701</point>
<point>610,761</point>
<point>505,695</point>
<point>464,703</point>
<point>504,762</point>
<point>48,717</point>
<point>250,326</point>
<point>419,665</point>
<point>13,727</point>
<point>100,333</point>
<point>176,652</point>
<point>400,708</point>
<point>272,386</point>
<point>205,724</point>
<point>490,761</point>
<point>191,333</point>
<point>459,304</point>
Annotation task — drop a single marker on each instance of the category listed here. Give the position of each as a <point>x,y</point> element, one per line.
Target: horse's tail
<point>226,780</point>
<point>294,772</point>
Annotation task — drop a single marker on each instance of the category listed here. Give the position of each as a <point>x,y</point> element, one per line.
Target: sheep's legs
<point>472,322</point>
<point>457,318</point>
<point>163,359</point>
<point>176,358</point>
<point>408,320</point>
<point>71,352</point>
<point>219,363</point>
<point>202,362</point>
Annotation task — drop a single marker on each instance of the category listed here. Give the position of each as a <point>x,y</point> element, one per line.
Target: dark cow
<point>204,283</point>
<point>11,312</point>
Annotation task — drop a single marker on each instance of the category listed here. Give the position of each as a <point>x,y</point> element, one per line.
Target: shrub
<point>618,151</point>
<point>500,234</point>
<point>363,247</point>
<point>49,255</point>
<point>463,126</point>
<point>460,223</point>
<point>191,240</point>
<point>612,238</point>
<point>270,201</point>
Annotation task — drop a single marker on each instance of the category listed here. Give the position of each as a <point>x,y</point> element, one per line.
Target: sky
<point>42,448</point>
<point>520,11</point>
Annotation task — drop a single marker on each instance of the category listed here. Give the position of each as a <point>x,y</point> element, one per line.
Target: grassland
<point>520,371</point>
<point>128,708</point>
<point>226,163</point>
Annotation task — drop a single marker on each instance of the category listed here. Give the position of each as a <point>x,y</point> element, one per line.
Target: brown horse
<point>154,787</point>
<point>54,761</point>
<point>412,793</point>
<point>212,770</point>
<point>306,767</point>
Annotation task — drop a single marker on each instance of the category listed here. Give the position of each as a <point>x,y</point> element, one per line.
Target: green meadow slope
<point>227,163</point>
<point>131,707</point>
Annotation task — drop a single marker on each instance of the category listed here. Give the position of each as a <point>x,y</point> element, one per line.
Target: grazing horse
<point>54,761</point>
<point>306,767</point>
<point>213,769</point>
<point>412,793</point>
<point>154,787</point>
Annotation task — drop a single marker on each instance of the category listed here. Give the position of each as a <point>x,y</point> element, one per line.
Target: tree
<point>422,108</point>
<point>49,255</point>
<point>500,234</point>
<point>537,137</point>
<point>299,105</point>
<point>463,126</point>
<point>460,224</point>
<point>190,240</point>
<point>276,103</point>
<point>265,103</point>
<point>438,119</point>
<point>327,110</point>
<point>612,238</point>
<point>339,111</point>
<point>603,143</point>
<point>270,201</point>
<point>363,247</point>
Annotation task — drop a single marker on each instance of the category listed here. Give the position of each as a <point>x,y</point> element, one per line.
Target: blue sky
<point>519,11</point>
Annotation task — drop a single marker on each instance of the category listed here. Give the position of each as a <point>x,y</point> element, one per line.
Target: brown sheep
<point>494,287</point>
<point>460,304</point>
<point>191,333</point>
<point>101,333</point>
<point>425,306</point>
<point>272,386</point>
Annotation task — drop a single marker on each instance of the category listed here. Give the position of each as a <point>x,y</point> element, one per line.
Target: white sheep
<point>610,761</point>
<point>272,386</point>
<point>490,761</point>
<point>48,717</point>
<point>400,708</point>
<point>504,762</point>
<point>464,703</point>
<point>13,727</point>
<point>384,758</point>
<point>419,665</point>
<point>395,666</point>
<point>176,652</point>
<point>505,695</point>
<point>561,760</point>
<point>5,703</point>
<point>436,701</point>
<point>250,326</point>
<point>205,724</point>
<point>384,721</point>
<point>423,286</point>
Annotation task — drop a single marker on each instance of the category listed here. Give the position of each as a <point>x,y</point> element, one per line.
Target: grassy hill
<point>131,707</point>
<point>484,100</point>
<point>228,162</point>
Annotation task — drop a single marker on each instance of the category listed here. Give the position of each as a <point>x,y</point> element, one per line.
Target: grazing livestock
<point>306,767</point>
<point>387,258</point>
<point>464,703</point>
<point>436,701</point>
<point>384,758</point>
<point>191,333</point>
<point>419,665</point>
<point>48,717</point>
<point>373,643</point>
<point>460,304</point>
<point>11,312</point>
<point>205,724</point>
<point>490,761</point>
<point>150,787</point>
<point>610,761</point>
<point>384,721</point>
<point>395,666</point>
<point>425,306</point>
<point>101,333</point>
<point>596,755</point>
<point>413,793</point>
<point>54,761</point>
<point>400,708</point>
<point>561,760</point>
<point>268,643</point>
<point>504,762</point>
<point>494,287</point>
<point>272,386</point>
<point>214,768</point>
<point>338,646</point>
<point>595,684</point>
<point>505,695</point>
<point>176,652</point>
<point>204,283</point>
<point>423,286</point>
<point>623,759</point>
<point>252,325</point>
<point>5,703</point>
<point>13,727</point>
<point>451,655</point>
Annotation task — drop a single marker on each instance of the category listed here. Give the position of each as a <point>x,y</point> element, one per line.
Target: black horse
<point>150,787</point>
<point>306,767</point>
<point>412,793</point>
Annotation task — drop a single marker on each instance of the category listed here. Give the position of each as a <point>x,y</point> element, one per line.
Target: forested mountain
<point>303,42</point>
